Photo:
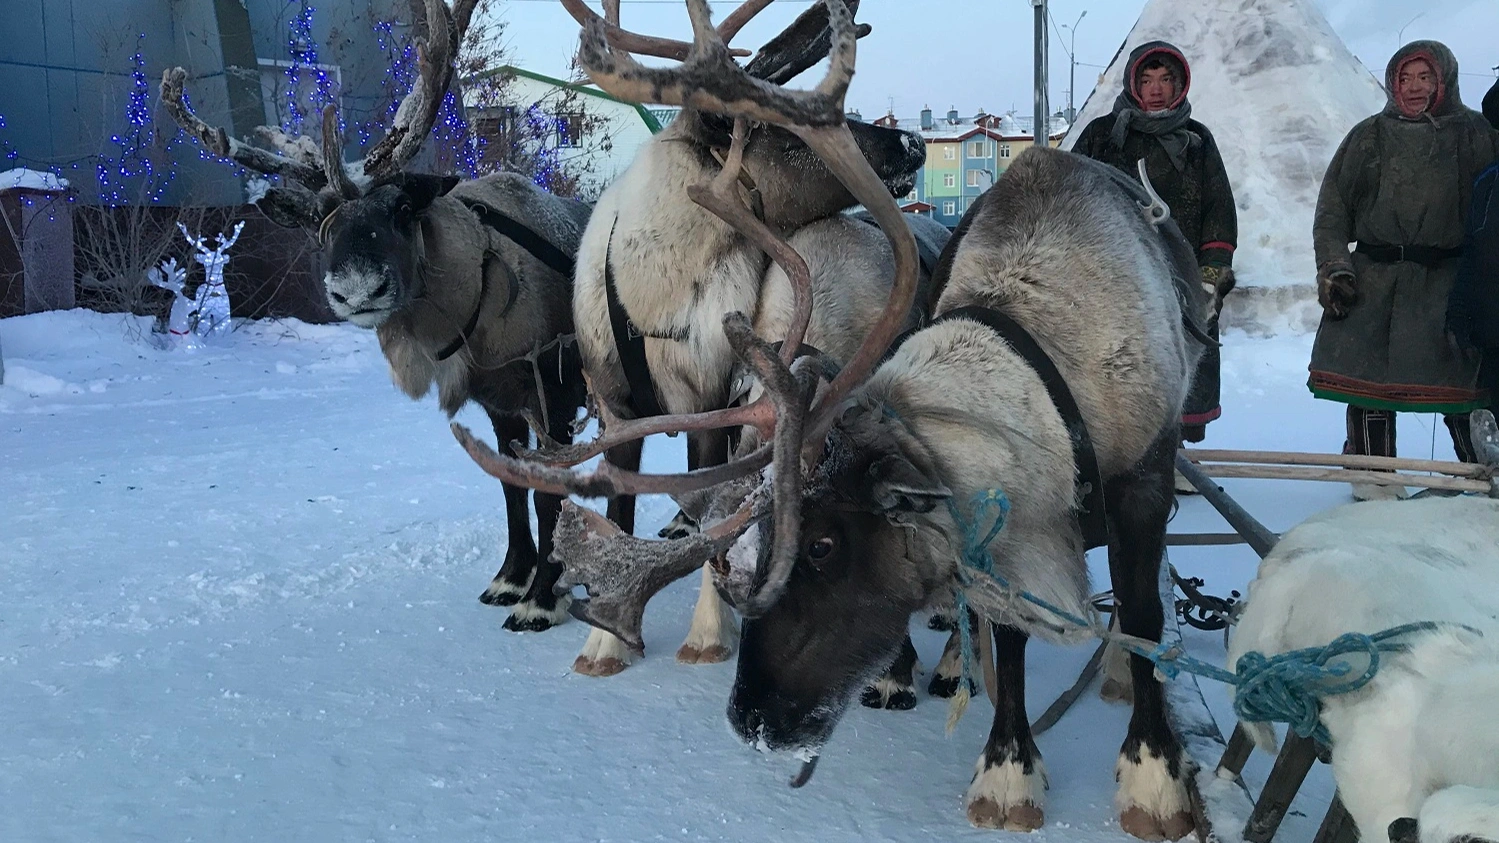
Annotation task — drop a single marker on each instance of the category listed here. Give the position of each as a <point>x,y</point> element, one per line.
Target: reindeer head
<point>370,225</point>
<point>794,185</point>
<point>860,570</point>
<point>375,248</point>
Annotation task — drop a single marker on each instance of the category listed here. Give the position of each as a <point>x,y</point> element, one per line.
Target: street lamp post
<point>1072,61</point>
<point>1400,36</point>
<point>1040,130</point>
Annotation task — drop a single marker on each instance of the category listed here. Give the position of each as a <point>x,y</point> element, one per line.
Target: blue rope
<point>1285,688</point>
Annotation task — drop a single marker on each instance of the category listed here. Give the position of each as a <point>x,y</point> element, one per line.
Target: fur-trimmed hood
<point>1441,59</point>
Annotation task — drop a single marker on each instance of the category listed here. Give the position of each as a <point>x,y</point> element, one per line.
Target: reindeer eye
<point>820,549</point>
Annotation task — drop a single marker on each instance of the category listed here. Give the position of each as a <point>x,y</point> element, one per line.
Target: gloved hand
<point>1217,282</point>
<point>1335,290</point>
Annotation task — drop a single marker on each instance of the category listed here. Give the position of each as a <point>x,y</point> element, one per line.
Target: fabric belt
<point>1428,256</point>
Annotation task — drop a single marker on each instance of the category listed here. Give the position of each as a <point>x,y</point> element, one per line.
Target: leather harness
<point>520,234</point>
<point>1092,517</point>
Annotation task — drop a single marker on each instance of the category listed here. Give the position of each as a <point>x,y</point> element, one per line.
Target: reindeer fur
<point>1419,740</point>
<point>1064,248</point>
<point>420,293</point>
<point>678,269</point>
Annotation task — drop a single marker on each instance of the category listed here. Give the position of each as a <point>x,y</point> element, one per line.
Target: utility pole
<point>1041,131</point>
<point>1072,69</point>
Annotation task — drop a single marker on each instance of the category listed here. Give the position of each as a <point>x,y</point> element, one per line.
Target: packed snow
<point>1279,91</point>
<point>240,604</point>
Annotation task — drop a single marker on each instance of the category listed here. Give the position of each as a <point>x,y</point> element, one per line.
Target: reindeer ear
<point>897,485</point>
<point>422,189</point>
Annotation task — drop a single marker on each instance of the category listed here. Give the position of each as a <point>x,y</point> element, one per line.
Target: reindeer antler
<point>417,112</point>
<point>709,80</point>
<point>307,169</point>
<point>219,143</point>
<point>645,45</point>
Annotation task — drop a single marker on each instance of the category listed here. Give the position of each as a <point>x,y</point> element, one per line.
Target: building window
<point>569,130</point>
<point>974,178</point>
<point>949,209</point>
<point>1004,150</point>
<point>950,180</point>
<point>978,149</point>
<point>949,154</point>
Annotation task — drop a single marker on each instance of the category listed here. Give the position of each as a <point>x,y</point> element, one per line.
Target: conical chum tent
<point>1278,90</point>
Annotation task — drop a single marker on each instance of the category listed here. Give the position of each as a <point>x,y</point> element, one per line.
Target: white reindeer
<point>1420,740</point>
<point>212,303</point>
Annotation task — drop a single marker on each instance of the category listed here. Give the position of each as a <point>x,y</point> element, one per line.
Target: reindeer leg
<point>896,690</point>
<point>542,607</point>
<point>1152,795</point>
<point>519,568</point>
<point>1008,789</point>
<point>949,671</point>
<point>604,654</point>
<point>711,638</point>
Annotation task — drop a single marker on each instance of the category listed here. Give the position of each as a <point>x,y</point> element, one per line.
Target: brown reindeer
<point>467,284</point>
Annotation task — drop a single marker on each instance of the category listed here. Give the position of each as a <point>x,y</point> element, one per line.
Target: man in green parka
<point>1399,188</point>
<point>1152,120</point>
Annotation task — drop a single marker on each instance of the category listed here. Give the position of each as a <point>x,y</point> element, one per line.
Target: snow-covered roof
<point>1009,126</point>
<point>24,179</point>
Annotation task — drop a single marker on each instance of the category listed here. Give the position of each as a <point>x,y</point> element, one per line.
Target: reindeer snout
<point>362,295</point>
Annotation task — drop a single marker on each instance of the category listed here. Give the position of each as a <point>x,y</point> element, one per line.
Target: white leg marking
<point>1151,804</point>
<point>714,631</point>
<point>603,655</point>
<point>1005,796</point>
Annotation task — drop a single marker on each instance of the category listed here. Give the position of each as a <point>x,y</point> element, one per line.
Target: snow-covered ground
<point>237,602</point>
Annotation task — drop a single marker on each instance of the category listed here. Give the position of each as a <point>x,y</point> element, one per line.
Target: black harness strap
<point>524,237</point>
<point>473,321</point>
<point>630,344</point>
<point>1091,516</point>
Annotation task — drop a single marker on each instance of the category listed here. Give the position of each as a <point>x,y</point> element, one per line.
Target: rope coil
<point>1284,688</point>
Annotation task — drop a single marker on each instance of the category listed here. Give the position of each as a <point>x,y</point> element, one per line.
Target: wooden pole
<point>1345,475</point>
<point>1455,469</point>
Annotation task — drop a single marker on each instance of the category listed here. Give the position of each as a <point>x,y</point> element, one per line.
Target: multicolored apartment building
<point>964,155</point>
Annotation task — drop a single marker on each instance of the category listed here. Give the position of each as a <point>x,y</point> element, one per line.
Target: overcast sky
<point>973,54</point>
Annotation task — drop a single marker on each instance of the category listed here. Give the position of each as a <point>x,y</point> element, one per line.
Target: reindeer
<point>467,285</point>
<point>655,274</point>
<point>1067,326</point>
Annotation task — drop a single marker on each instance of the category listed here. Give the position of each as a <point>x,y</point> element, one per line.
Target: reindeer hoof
<point>986,813</point>
<point>714,654</point>
<point>1114,691</point>
<point>534,623</point>
<point>946,687</point>
<point>503,593</point>
<point>1137,822</point>
<point>889,695</point>
<point>607,666</point>
<point>491,597</point>
<point>528,617</point>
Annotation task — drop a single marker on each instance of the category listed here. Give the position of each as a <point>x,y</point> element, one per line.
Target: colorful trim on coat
<point>1202,418</point>
<point>1404,398</point>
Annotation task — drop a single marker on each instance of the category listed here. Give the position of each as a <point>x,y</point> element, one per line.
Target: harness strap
<point>630,344</point>
<point>473,320</point>
<point>523,236</point>
<point>1091,515</point>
